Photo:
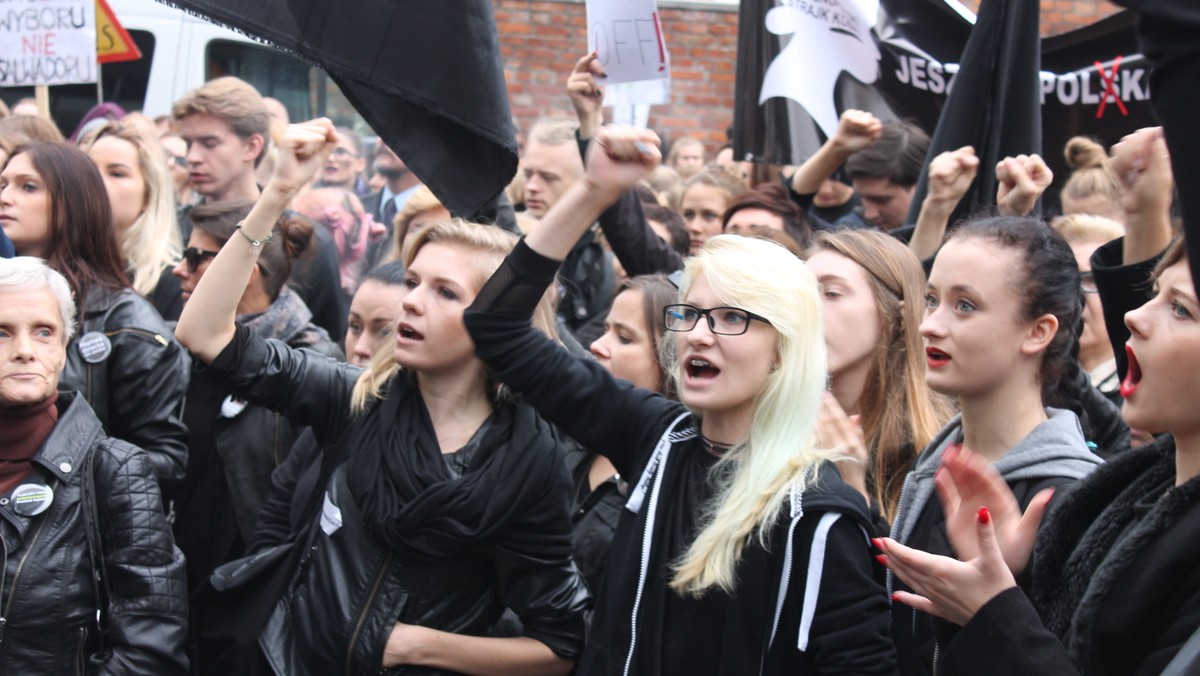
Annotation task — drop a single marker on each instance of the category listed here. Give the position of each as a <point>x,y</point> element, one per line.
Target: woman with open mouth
<point>1113,578</point>
<point>1003,308</point>
<point>1113,581</point>
<point>739,549</point>
<point>442,500</point>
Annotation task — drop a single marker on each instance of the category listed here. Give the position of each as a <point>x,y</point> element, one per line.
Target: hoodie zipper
<point>647,532</point>
<point>904,495</point>
<point>362,616</point>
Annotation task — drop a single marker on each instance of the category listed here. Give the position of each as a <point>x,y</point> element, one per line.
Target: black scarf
<point>410,500</point>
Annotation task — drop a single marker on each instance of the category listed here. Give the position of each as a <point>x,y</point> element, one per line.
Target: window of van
<point>305,91</point>
<point>123,83</point>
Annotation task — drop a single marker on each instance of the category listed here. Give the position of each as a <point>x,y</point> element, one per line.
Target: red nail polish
<point>984,516</point>
<point>877,542</point>
<point>895,597</point>
<point>881,559</point>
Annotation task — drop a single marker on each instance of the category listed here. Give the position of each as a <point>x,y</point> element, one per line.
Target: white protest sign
<point>827,37</point>
<point>632,116</point>
<point>628,36</point>
<point>642,92</point>
<point>47,42</point>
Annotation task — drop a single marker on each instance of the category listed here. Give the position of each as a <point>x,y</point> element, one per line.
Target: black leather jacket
<point>49,601</point>
<point>137,386</point>
<point>353,589</point>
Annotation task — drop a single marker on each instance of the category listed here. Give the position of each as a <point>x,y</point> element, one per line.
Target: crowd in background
<point>267,406</point>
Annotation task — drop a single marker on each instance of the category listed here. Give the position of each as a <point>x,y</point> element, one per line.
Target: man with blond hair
<point>552,164</point>
<point>227,127</point>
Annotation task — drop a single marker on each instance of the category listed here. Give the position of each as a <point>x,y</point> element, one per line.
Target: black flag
<point>427,76</point>
<point>1093,80</point>
<point>995,104</point>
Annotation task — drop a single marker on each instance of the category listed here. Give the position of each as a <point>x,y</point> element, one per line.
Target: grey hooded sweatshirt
<point>1054,449</point>
<point>1053,453</point>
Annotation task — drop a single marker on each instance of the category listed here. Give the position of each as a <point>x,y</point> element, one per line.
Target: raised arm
<point>856,130</point>
<point>950,175</point>
<point>1143,166</point>
<point>565,390</point>
<point>1020,181</point>
<point>617,160</point>
<point>633,242</point>
<point>207,323</point>
<point>586,94</point>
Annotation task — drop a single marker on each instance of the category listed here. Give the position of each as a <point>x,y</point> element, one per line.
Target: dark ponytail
<point>1048,284</point>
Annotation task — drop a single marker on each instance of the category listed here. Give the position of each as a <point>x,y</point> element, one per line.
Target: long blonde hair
<point>494,244</point>
<point>780,452</point>
<point>152,243</point>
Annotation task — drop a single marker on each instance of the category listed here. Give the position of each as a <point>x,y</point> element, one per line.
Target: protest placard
<point>47,42</point>
<point>628,36</point>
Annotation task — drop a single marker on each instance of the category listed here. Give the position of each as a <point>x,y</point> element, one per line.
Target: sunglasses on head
<point>195,257</point>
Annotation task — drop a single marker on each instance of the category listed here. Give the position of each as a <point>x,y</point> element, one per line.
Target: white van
<point>182,52</point>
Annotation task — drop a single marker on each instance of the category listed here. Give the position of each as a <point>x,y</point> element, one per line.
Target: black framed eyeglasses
<point>194,257</point>
<point>725,321</point>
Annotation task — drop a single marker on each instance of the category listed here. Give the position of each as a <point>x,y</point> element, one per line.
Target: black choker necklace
<point>715,448</point>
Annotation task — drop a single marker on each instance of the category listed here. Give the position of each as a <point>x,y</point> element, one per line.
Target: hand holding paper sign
<point>586,95</point>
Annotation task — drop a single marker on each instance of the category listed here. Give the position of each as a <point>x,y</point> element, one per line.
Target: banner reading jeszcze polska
<point>802,62</point>
<point>47,42</point>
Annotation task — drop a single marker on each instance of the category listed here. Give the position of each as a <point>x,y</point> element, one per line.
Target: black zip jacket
<point>137,386</point>
<point>811,602</point>
<point>48,623</point>
<point>338,615</point>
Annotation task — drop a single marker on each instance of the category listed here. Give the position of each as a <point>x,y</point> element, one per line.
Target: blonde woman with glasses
<point>739,549</point>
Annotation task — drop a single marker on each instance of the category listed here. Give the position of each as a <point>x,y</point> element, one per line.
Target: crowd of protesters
<point>267,406</point>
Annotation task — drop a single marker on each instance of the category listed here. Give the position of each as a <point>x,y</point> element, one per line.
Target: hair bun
<point>1082,152</point>
<point>296,233</point>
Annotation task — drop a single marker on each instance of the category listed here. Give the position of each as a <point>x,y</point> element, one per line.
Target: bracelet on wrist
<point>256,243</point>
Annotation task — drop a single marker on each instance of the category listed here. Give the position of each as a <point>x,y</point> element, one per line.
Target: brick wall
<point>1060,16</point>
<point>541,39</point>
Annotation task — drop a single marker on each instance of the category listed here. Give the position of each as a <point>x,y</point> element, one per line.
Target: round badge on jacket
<point>95,347</point>
<point>32,499</point>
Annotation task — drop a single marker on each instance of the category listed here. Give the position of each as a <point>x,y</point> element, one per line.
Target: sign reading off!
<point>47,42</point>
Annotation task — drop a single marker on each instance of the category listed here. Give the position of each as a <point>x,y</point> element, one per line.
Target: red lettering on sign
<point>1110,88</point>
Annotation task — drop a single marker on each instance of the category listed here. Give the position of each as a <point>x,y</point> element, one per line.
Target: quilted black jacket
<point>137,386</point>
<point>48,602</point>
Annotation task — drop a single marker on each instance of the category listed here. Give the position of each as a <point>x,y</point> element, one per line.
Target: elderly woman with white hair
<point>92,580</point>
